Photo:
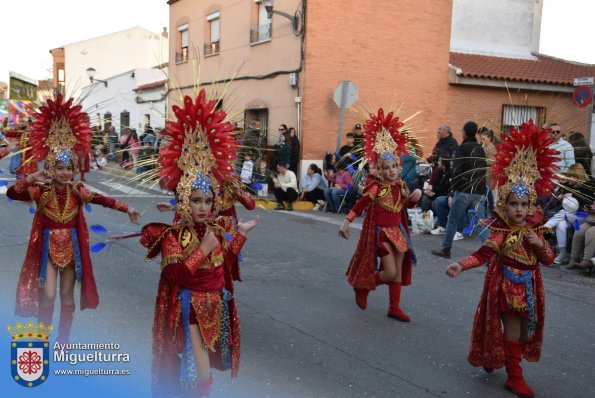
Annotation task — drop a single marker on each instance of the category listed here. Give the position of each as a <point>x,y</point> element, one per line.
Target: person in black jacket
<point>294,143</point>
<point>468,186</point>
<point>445,147</point>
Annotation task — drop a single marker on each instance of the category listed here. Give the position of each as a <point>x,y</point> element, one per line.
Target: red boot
<point>361,297</point>
<point>204,387</point>
<point>45,314</point>
<point>515,382</point>
<point>66,317</point>
<point>394,310</point>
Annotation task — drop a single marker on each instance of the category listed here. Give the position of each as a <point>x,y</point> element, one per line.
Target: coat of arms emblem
<point>29,349</point>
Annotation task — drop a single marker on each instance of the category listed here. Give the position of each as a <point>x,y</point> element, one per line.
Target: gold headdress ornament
<point>525,164</point>
<point>383,138</point>
<point>200,152</point>
<point>60,131</point>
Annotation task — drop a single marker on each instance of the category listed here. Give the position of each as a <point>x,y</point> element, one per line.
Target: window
<point>261,31</point>
<point>182,54</point>
<point>515,115</point>
<point>212,36</point>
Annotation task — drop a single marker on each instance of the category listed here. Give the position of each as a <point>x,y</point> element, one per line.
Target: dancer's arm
<point>89,196</point>
<point>28,189</point>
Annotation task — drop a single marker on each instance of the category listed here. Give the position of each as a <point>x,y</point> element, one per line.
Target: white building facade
<point>131,99</point>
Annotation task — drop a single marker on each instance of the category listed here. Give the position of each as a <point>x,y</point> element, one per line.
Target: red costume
<point>386,219</point>
<point>212,306</point>
<point>513,284</point>
<point>66,242</point>
<point>195,288</point>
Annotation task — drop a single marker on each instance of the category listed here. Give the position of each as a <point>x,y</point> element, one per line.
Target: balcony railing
<point>182,55</point>
<point>211,48</point>
<point>260,33</point>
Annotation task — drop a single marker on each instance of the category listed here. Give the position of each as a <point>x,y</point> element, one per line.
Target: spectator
<point>135,148</point>
<point>583,242</point>
<point>341,182</point>
<point>247,169</point>
<point>330,159</point>
<point>439,185</point>
<point>252,140</point>
<point>582,152</point>
<point>294,143</point>
<point>358,136</point>
<point>347,149</point>
<point>487,142</point>
<point>468,186</point>
<point>445,147</point>
<point>313,186</point>
<point>356,192</point>
<point>561,145</point>
<point>285,187</point>
<point>408,171</point>
<point>281,149</point>
<point>261,176</point>
<point>577,184</point>
<point>112,138</point>
<point>125,146</point>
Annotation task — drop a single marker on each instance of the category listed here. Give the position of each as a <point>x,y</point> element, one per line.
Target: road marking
<point>96,190</point>
<point>325,219</point>
<point>123,188</point>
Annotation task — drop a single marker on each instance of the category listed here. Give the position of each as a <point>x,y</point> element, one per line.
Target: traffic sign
<point>584,81</point>
<point>582,96</point>
<point>345,94</point>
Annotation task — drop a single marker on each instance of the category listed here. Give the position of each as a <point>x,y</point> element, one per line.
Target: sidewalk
<point>268,202</point>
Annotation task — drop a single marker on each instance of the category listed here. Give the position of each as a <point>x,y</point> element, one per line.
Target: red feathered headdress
<point>59,132</point>
<point>200,151</point>
<point>525,164</point>
<point>383,138</point>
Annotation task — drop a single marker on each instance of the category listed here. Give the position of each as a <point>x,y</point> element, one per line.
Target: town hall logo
<point>29,349</point>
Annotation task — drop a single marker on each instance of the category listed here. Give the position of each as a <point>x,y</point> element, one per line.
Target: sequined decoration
<point>225,330</point>
<point>202,182</point>
<point>188,373</point>
<point>64,156</point>
<point>389,157</point>
<point>520,189</point>
<point>525,278</point>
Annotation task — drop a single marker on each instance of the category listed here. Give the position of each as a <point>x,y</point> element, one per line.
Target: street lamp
<point>295,19</point>
<point>91,74</point>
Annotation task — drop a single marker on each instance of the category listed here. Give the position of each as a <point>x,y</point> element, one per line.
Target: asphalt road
<point>302,334</point>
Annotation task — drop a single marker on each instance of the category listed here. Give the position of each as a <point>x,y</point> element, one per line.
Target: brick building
<point>453,60</point>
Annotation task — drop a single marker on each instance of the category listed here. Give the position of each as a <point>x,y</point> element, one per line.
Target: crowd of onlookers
<point>457,188</point>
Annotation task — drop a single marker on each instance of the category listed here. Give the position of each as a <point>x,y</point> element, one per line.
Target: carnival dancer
<point>509,320</point>
<point>59,241</point>
<point>195,313</point>
<point>385,233</point>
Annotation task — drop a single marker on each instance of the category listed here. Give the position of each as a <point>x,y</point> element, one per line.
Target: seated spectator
<point>347,149</point>
<point>582,152</point>
<point>408,172</point>
<point>439,185</point>
<point>247,169</point>
<point>341,182</point>
<point>330,159</point>
<point>583,242</point>
<point>285,187</point>
<point>578,185</point>
<point>260,177</point>
<point>356,192</point>
<point>313,186</point>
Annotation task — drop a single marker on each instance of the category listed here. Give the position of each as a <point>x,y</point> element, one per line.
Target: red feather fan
<point>374,125</point>
<point>199,114</point>
<point>528,137</point>
<point>52,112</point>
